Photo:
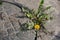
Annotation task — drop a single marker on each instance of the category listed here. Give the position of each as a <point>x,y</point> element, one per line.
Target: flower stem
<point>36,35</point>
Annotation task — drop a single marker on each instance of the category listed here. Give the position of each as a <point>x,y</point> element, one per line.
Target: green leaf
<point>29,15</point>
<point>42,2</point>
<point>44,17</point>
<point>30,25</point>
<point>25,10</point>
<point>40,6</point>
<point>40,17</point>
<point>0,2</point>
<point>47,8</point>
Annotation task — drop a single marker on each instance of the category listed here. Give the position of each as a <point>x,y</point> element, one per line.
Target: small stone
<point>10,30</point>
<point>1,25</point>
<point>5,38</point>
<point>16,28</point>
<point>0,8</point>
<point>17,34</point>
<point>13,36</point>
<point>16,38</point>
<point>3,33</point>
<point>1,17</point>
<point>7,24</point>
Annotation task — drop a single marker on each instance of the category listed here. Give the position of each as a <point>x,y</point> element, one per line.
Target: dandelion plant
<point>37,18</point>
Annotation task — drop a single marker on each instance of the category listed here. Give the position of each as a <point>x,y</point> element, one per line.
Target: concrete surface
<point>9,25</point>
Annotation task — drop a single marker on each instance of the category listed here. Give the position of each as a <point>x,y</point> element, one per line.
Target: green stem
<point>36,35</point>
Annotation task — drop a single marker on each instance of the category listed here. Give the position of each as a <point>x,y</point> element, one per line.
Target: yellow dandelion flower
<point>37,27</point>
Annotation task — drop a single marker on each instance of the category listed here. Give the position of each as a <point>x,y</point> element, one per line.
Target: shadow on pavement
<point>57,37</point>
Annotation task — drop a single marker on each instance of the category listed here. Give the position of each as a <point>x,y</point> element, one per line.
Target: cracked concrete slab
<point>9,25</point>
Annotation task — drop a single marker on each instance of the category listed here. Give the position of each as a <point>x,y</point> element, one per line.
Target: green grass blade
<point>0,2</point>
<point>42,2</point>
<point>48,7</point>
<point>40,6</point>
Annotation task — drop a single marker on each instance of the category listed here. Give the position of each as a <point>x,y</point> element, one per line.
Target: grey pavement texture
<point>9,23</point>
